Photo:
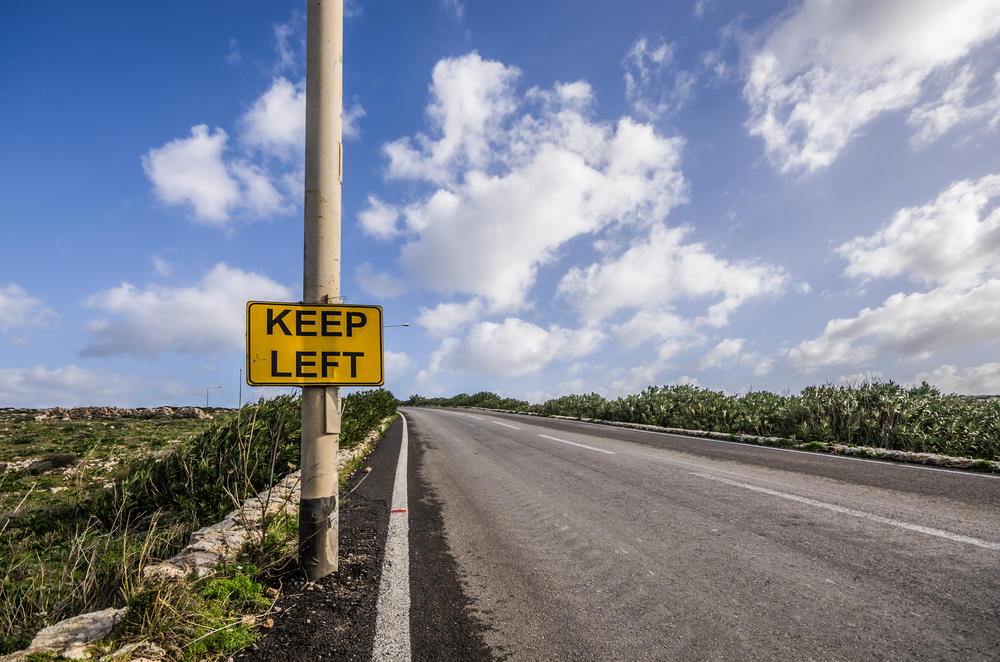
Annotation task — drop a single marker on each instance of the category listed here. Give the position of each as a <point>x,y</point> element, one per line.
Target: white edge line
<point>392,620</point>
<point>858,513</point>
<point>599,450</point>
<point>505,425</point>
<point>475,417</point>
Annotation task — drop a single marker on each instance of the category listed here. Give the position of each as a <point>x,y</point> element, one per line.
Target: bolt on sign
<point>290,344</point>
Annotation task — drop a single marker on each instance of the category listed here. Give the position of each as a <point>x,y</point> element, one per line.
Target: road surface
<point>541,539</point>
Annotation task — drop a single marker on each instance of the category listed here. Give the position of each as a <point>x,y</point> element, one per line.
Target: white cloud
<point>447,317</point>
<point>635,379</point>
<point>763,366</point>
<point>191,172</point>
<point>471,98</point>
<point>258,196</point>
<point>379,284</point>
<point>660,270</point>
<point>18,309</point>
<point>866,377</point>
<point>276,122</point>
<point>352,116</point>
<point>510,191</point>
<point>68,386</point>
<point>162,267</point>
<point>647,66</point>
<point>208,318</point>
<point>981,380</point>
<point>945,241</point>
<point>911,325</point>
<point>829,68</point>
<point>379,220</point>
<point>934,118</point>
<point>353,8</point>
<point>289,51</point>
<point>455,7</point>
<point>396,365</point>
<point>234,56</point>
<point>729,348</point>
<point>512,349</point>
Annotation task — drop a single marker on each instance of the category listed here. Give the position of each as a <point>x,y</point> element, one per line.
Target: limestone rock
<point>69,638</point>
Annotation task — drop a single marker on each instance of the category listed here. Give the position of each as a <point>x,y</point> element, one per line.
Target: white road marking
<point>506,426</point>
<point>599,450</point>
<point>475,417</point>
<point>850,458</point>
<point>857,513</point>
<point>392,621</point>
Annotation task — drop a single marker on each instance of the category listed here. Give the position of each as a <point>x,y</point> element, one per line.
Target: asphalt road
<point>539,539</point>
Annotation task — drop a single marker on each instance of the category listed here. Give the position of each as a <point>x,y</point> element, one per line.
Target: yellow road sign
<point>293,344</point>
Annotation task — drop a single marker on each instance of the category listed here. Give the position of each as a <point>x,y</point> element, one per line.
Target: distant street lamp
<point>206,394</point>
<point>387,326</point>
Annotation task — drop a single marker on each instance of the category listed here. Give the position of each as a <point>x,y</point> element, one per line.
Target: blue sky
<point>559,197</point>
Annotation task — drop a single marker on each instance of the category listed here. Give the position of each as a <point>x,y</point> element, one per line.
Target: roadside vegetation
<point>880,415</point>
<point>133,490</point>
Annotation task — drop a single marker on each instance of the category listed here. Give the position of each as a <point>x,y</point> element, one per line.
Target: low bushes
<point>882,415</point>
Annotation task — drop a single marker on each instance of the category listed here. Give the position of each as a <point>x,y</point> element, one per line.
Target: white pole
<point>321,406</point>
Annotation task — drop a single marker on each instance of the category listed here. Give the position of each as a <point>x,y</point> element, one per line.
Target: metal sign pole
<point>321,406</point>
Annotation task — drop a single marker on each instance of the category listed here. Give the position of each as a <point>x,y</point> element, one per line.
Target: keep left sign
<point>293,344</point>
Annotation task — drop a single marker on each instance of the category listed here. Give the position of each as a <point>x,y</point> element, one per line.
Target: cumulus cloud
<point>508,180</point>
<point>726,350</point>
<point>265,176</point>
<point>656,272</point>
<point>18,309</point>
<point>509,190</point>
<point>946,243</point>
<point>379,220</point>
<point>381,284</point>
<point>827,69</point>
<point>912,325</point>
<point>191,172</point>
<point>512,349</point>
<point>68,386</point>
<point>943,242</point>
<point>447,317</point>
<point>396,364</point>
<point>470,99</point>
<point>207,318</point>
<point>981,380</point>
<point>276,122</point>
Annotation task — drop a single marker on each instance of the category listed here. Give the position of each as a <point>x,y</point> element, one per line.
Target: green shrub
<point>876,414</point>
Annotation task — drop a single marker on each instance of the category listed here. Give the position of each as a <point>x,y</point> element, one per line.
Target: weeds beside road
<point>133,498</point>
